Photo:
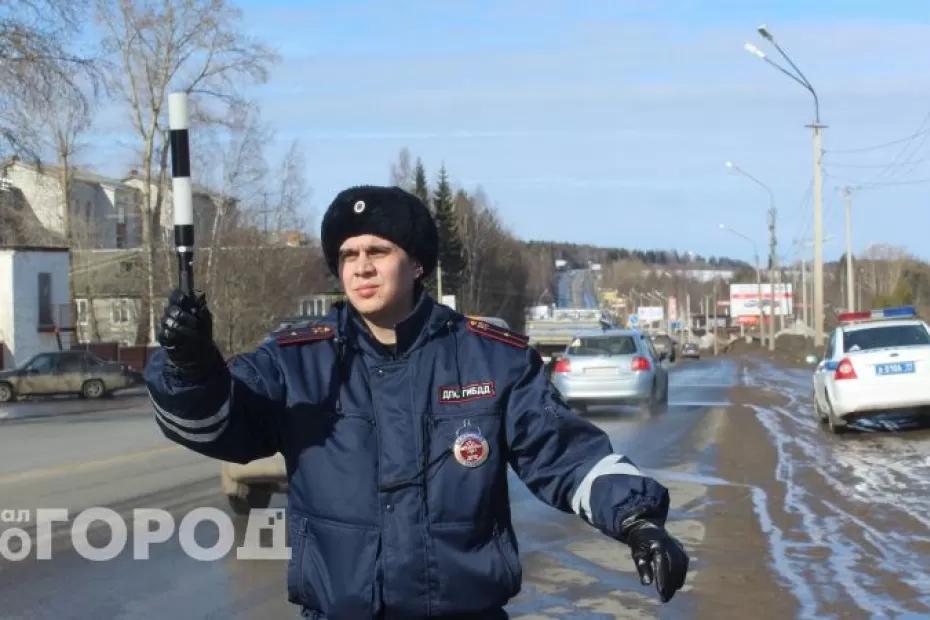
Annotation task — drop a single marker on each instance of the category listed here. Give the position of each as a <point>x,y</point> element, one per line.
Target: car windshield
<point>603,345</point>
<point>881,337</point>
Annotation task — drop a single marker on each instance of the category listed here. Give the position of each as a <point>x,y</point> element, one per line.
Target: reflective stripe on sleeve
<point>609,465</point>
<point>195,437</point>
<point>173,420</point>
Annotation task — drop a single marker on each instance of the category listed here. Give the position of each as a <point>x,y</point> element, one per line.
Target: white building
<point>34,310</point>
<point>104,212</point>
<point>108,288</point>
<point>206,205</point>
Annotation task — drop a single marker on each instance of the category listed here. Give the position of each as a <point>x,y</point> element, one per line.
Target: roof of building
<point>196,188</point>
<point>32,248</point>
<point>77,173</point>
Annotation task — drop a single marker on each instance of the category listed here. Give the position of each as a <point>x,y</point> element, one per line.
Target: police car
<point>875,361</point>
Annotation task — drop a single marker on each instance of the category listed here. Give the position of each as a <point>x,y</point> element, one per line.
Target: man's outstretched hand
<point>659,558</point>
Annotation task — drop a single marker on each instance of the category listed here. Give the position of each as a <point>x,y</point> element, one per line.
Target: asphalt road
<point>781,519</point>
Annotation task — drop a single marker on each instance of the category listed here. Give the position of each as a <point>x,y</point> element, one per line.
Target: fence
<point>134,356</point>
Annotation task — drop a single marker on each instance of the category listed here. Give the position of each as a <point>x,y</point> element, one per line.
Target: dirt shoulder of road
<point>735,578</point>
<point>790,350</point>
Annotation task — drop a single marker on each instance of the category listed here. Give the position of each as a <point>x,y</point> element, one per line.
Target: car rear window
<point>881,337</point>
<point>603,345</point>
<point>70,362</point>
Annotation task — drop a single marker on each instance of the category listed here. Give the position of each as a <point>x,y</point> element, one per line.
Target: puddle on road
<point>855,525</point>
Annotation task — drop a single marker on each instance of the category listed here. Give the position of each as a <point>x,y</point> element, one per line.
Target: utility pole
<point>818,235</point>
<point>688,313</point>
<point>795,74</point>
<point>773,267</point>
<point>439,281</point>
<point>773,255</point>
<point>715,316</point>
<point>804,290</point>
<point>706,313</point>
<point>850,274</point>
<point>859,292</point>
<point>761,305</point>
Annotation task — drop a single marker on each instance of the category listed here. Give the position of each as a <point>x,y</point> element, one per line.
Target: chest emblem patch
<point>470,448</point>
<point>451,394</point>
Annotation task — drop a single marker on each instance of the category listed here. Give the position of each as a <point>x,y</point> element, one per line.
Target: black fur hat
<point>387,212</point>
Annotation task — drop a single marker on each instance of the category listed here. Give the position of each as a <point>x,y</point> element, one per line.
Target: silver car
<point>64,372</point>
<point>616,366</point>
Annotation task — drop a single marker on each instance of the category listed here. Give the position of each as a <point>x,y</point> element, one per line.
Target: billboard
<point>649,314</point>
<point>744,299</point>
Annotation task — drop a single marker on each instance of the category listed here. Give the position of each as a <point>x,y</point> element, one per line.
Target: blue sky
<point>610,122</point>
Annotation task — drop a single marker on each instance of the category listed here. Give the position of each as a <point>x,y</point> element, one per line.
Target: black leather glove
<point>186,334</point>
<point>659,558</point>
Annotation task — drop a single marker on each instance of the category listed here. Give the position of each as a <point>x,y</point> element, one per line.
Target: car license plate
<point>600,371</point>
<point>897,368</point>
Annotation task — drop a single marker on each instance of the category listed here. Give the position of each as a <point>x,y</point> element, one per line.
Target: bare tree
<point>184,45</point>
<point>36,65</point>
<point>239,179</point>
<point>494,279</point>
<point>402,172</point>
<point>260,260</point>
<point>479,231</point>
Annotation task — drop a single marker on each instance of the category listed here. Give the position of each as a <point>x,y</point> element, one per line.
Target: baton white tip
<point>177,111</point>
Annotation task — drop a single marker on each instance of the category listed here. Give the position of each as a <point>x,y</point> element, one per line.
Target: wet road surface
<point>781,518</point>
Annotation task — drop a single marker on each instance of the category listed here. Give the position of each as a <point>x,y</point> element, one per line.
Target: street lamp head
<point>728,164</point>
<point>755,51</point>
<point>722,226</point>
<point>764,32</point>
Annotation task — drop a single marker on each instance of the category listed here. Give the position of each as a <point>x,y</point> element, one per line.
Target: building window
<point>46,318</point>
<point>119,311</point>
<point>81,305</point>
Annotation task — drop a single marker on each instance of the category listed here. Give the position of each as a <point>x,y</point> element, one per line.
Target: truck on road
<point>550,330</point>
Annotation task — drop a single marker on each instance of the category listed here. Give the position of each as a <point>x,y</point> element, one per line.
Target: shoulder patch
<point>301,335</point>
<point>494,332</point>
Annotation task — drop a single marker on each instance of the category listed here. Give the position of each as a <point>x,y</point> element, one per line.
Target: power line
<point>876,147</point>
<point>906,152</point>
<point>884,165</point>
<point>869,184</point>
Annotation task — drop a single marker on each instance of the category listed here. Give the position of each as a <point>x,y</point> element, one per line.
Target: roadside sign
<point>651,314</point>
<point>633,320</point>
<point>675,325</point>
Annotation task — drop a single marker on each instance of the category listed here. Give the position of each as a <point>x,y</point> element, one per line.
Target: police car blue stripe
<point>610,464</point>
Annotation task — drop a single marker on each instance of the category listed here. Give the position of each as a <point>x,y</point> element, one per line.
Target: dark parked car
<point>65,372</point>
<point>690,349</point>
<point>666,346</point>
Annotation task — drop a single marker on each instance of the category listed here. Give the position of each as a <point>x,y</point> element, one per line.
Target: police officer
<point>398,418</point>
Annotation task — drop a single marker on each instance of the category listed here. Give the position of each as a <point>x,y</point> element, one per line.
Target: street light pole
<point>850,273</point>
<point>818,237</point>
<point>804,291</point>
<point>773,253</point>
<point>755,254</point>
<point>817,127</point>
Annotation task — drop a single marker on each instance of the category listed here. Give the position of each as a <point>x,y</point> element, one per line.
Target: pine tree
<point>420,189</point>
<point>451,257</point>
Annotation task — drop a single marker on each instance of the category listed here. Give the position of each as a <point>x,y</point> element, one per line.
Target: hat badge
<point>359,206</point>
